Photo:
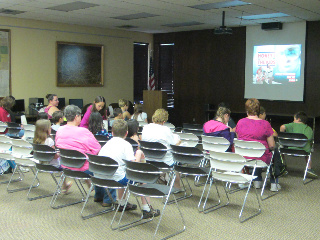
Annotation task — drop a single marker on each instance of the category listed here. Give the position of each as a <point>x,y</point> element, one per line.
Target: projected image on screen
<point>276,64</point>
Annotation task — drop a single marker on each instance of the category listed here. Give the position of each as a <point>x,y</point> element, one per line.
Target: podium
<point>153,100</point>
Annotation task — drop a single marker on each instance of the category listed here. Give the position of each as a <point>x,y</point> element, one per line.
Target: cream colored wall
<point>33,59</point>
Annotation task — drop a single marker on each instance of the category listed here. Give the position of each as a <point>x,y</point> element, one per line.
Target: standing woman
<point>53,104</point>
<point>99,105</point>
<point>139,115</point>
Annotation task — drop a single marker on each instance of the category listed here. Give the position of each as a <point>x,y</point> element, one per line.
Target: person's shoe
<point>243,185</point>
<point>66,190</point>
<point>24,170</point>
<point>275,187</point>
<point>152,213</point>
<point>311,173</point>
<point>106,204</point>
<point>97,199</point>
<point>129,207</point>
<point>257,184</point>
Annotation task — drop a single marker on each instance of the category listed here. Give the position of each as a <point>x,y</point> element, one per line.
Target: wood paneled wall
<point>211,68</point>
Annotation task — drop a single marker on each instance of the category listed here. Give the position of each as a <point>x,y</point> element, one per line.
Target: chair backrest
<point>72,158</point>
<point>43,152</point>
<point>187,155</point>
<point>217,144</point>
<point>170,125</point>
<point>251,149</point>
<point>102,166</point>
<point>188,139</point>
<point>29,127</point>
<point>21,148</point>
<point>153,150</point>
<point>13,128</point>
<point>142,172</point>
<point>196,129</point>
<point>292,139</point>
<point>5,143</point>
<point>28,134</point>
<point>101,139</point>
<point>3,126</point>
<point>133,143</point>
<point>227,161</point>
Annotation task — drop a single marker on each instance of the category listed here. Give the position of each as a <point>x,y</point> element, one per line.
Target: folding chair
<point>75,159</point>
<point>226,167</point>
<point>3,127</point>
<point>188,139</point>
<point>188,161</point>
<point>148,174</point>
<point>295,140</point>
<point>133,143</point>
<point>170,125</point>
<point>43,154</point>
<point>217,144</point>
<point>13,128</point>
<point>103,169</point>
<point>5,152</point>
<point>253,150</point>
<point>21,152</point>
<point>101,139</point>
<point>196,129</point>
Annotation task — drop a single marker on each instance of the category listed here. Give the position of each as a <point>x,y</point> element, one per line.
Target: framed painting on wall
<point>5,63</point>
<point>79,64</point>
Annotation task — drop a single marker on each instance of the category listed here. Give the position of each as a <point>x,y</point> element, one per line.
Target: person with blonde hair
<point>157,132</point>
<point>124,105</point>
<point>42,136</point>
<point>218,127</point>
<point>139,115</point>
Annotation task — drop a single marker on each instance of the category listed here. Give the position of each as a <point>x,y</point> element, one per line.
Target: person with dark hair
<point>252,128</point>
<point>96,125</point>
<point>117,113</point>
<point>42,115</point>
<point>5,105</point>
<point>98,105</point>
<point>57,119</point>
<point>218,127</point>
<point>53,104</point>
<point>263,115</point>
<point>139,115</point>
<point>299,126</point>
<point>133,127</point>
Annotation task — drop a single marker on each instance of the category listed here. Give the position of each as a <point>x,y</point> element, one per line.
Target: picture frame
<point>5,63</point>
<point>79,64</point>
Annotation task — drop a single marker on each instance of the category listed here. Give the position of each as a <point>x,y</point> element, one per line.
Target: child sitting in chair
<point>299,126</point>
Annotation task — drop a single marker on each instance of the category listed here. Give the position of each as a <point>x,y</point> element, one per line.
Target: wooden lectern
<point>153,100</point>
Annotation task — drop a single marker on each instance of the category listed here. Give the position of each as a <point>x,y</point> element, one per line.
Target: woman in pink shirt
<point>53,104</point>
<point>99,105</point>
<point>73,137</point>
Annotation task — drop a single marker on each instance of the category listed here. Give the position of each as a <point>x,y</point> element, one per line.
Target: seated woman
<point>53,104</point>
<point>252,128</point>
<point>124,105</point>
<point>139,115</point>
<point>218,127</point>
<point>98,105</point>
<point>133,127</point>
<point>70,136</point>
<point>42,136</point>
<point>157,132</point>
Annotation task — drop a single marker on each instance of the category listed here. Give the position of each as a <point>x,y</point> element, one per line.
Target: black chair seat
<point>47,168</point>
<point>197,171</point>
<point>152,190</point>
<point>293,152</point>
<point>160,165</point>
<point>75,174</point>
<point>105,183</point>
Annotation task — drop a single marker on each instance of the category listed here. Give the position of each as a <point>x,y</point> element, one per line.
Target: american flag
<point>152,81</point>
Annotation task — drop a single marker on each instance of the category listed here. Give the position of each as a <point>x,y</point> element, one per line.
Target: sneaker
<point>24,170</point>
<point>311,173</point>
<point>152,213</point>
<point>257,184</point>
<point>129,207</point>
<point>97,199</point>
<point>275,187</point>
<point>243,185</point>
<point>106,204</point>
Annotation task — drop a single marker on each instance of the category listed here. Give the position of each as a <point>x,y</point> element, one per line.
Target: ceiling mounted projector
<point>223,29</point>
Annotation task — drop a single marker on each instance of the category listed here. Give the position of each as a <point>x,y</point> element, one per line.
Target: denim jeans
<point>101,193</point>
<point>258,173</point>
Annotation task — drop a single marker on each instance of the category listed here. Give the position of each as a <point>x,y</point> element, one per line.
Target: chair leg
<point>84,217</point>
<point>58,191</point>
<point>17,168</point>
<point>216,206</point>
<point>42,196</point>
<point>306,170</point>
<point>264,186</point>
<point>244,202</point>
<point>186,186</point>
